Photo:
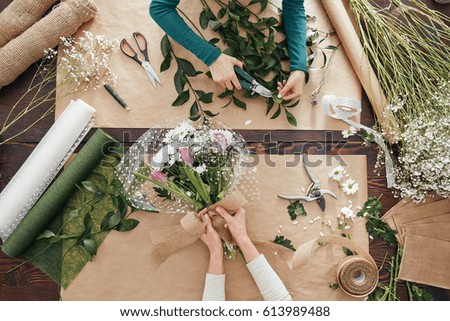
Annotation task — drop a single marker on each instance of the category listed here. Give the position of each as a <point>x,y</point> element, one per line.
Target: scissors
<point>250,83</point>
<point>313,193</point>
<point>142,45</point>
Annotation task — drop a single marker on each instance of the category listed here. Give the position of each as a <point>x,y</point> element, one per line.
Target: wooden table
<point>29,283</point>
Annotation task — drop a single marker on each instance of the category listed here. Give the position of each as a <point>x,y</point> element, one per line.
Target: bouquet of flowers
<point>187,168</point>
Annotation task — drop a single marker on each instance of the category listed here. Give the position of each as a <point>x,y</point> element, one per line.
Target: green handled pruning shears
<point>250,83</point>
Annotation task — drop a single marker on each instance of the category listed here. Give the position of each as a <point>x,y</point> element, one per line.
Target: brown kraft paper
<point>150,106</point>
<point>341,17</point>
<point>125,257</point>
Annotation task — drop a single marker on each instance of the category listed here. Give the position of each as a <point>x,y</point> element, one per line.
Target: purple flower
<point>186,156</point>
<point>158,176</point>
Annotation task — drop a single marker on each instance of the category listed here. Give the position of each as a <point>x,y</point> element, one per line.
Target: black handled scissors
<point>142,45</point>
<point>250,83</point>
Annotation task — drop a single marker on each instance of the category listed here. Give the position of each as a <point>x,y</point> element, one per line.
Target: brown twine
<point>63,21</point>
<point>19,16</point>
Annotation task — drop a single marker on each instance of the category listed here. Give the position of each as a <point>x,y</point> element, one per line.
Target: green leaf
<point>194,111</point>
<point>233,16</point>
<point>204,20</point>
<point>186,66</point>
<point>45,235</point>
<point>277,113</point>
<point>206,98</point>
<point>90,245</point>
<point>127,225</point>
<point>123,206</point>
<point>182,98</point>
<point>90,186</point>
<point>110,221</point>
<point>295,209</point>
<point>281,240</point>
<point>264,4</point>
<point>166,63</point>
<point>86,253</point>
<point>215,25</point>
<point>214,41</point>
<point>291,118</point>
<point>165,46</point>
<point>114,200</point>
<point>88,223</point>
<point>210,113</point>
<point>226,93</point>
<point>239,103</point>
<point>179,81</point>
<point>347,251</point>
<point>222,12</point>
<point>73,214</point>
<point>331,47</point>
<point>334,286</point>
<point>98,197</point>
<point>375,226</point>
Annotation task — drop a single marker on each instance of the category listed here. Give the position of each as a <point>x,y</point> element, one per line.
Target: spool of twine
<point>357,276</point>
<point>19,16</point>
<point>63,21</point>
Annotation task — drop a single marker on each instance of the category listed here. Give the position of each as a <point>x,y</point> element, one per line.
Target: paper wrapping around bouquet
<point>119,19</point>
<point>18,54</point>
<point>173,238</point>
<point>41,167</point>
<point>126,257</point>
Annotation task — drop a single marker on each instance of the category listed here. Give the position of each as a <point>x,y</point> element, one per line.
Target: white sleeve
<point>214,287</point>
<point>269,283</point>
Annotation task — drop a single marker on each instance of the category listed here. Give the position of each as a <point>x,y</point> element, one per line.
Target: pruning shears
<point>249,82</point>
<point>314,191</point>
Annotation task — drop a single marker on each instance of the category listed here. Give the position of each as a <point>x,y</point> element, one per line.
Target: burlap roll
<point>19,16</point>
<point>27,48</point>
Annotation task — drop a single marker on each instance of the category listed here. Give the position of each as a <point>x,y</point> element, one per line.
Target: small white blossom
<point>347,212</point>
<point>350,187</point>
<point>200,169</point>
<point>349,132</point>
<point>337,173</point>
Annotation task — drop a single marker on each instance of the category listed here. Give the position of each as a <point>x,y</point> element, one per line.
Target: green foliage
<point>255,46</point>
<point>295,209</point>
<point>374,225</point>
<point>281,240</point>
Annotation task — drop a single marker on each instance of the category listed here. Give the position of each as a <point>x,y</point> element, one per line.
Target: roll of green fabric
<point>52,201</point>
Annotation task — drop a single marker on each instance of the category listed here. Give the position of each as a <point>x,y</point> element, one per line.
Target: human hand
<point>211,238</point>
<point>222,71</point>
<point>292,89</point>
<point>235,224</point>
<point>238,229</point>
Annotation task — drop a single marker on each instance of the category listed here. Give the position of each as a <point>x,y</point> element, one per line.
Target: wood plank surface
<point>28,283</point>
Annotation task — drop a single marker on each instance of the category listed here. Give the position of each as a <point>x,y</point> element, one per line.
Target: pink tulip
<point>221,139</point>
<point>158,176</point>
<point>186,156</point>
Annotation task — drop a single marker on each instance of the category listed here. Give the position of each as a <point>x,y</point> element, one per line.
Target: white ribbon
<point>344,108</point>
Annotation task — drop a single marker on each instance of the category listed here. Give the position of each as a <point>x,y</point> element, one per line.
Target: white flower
<point>183,132</point>
<point>348,212</point>
<point>349,132</point>
<point>165,156</point>
<point>337,173</point>
<point>200,169</point>
<point>350,187</point>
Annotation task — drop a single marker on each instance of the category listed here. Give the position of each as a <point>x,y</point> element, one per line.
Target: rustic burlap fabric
<point>21,52</point>
<point>424,232</point>
<point>19,16</point>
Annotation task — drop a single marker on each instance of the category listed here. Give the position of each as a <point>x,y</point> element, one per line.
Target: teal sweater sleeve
<point>166,16</point>
<point>295,25</point>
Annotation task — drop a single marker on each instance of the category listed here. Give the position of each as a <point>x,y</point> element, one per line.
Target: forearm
<point>166,16</point>
<point>294,18</point>
<point>248,249</point>
<point>269,284</point>
<point>214,287</point>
